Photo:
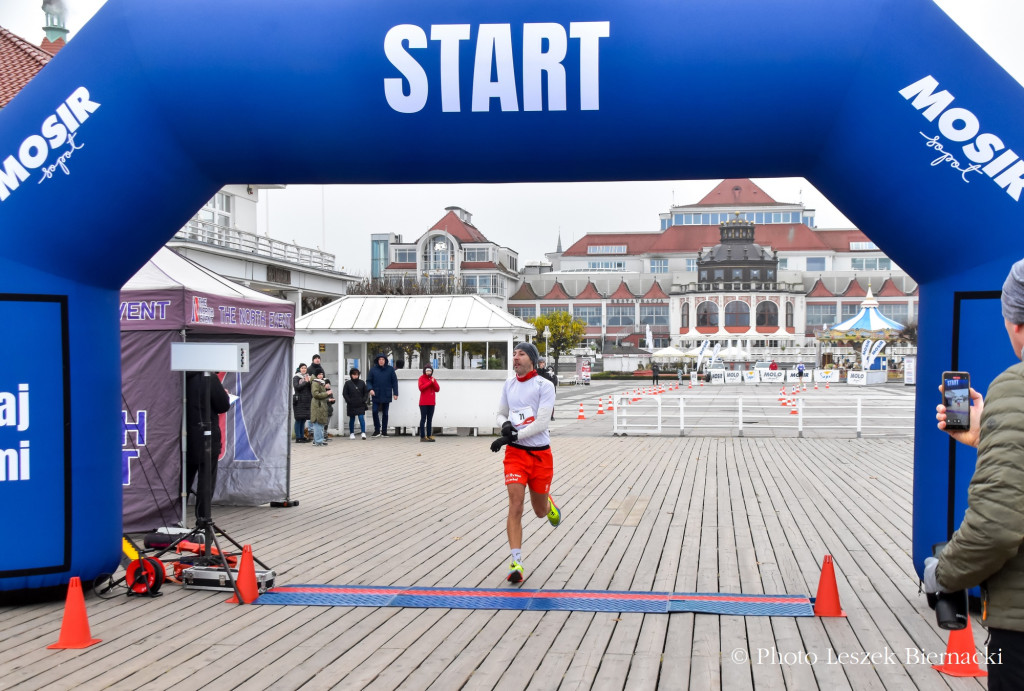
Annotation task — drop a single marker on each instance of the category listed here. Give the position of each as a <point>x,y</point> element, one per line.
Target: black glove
<point>507,428</point>
<point>498,443</point>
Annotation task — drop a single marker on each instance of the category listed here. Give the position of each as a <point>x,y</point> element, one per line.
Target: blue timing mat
<point>538,600</point>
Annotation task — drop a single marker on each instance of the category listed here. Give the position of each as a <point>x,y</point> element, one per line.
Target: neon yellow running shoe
<point>554,515</point>
<point>515,572</point>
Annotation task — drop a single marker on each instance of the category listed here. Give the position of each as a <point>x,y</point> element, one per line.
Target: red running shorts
<point>532,468</point>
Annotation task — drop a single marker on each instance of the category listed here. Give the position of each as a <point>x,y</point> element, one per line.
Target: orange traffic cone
<point>805,388</point>
<point>826,603</point>
<point>961,658</point>
<point>611,403</point>
<point>815,385</point>
<point>246,583</point>
<point>795,409</point>
<point>600,407</point>
<point>74,629</point>
<point>782,393</point>
<point>691,384</point>
<point>826,386</point>
<point>581,416</point>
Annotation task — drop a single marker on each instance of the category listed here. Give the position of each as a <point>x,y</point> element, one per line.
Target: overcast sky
<point>525,217</point>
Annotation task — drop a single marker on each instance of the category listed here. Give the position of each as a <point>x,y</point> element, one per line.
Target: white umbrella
<point>733,353</point>
<point>668,353</point>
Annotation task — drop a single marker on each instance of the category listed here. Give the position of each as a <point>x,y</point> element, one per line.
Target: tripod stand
<point>212,554</point>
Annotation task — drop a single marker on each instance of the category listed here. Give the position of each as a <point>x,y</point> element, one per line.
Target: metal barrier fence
<point>682,415</point>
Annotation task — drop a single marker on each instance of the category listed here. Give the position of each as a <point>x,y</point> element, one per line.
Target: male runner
<point>524,411</point>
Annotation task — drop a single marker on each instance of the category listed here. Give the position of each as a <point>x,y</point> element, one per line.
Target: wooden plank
<point>699,513</point>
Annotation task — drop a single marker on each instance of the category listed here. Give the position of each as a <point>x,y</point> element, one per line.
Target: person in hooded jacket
<point>383,385</point>
<point>354,392</point>
<point>301,398</point>
<point>428,401</point>
<point>318,417</point>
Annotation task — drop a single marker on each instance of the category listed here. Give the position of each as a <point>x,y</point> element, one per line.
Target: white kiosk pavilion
<point>466,339</point>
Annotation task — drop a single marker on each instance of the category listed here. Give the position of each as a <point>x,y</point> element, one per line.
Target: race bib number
<point>521,417</point>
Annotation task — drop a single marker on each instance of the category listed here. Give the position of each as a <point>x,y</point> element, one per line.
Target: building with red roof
<point>21,61</point>
<point>453,256</point>
<point>818,276</point>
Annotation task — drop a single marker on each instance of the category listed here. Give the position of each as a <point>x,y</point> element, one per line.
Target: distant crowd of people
<point>313,400</point>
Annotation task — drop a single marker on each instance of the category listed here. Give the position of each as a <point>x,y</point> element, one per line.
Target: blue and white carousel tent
<point>868,321</point>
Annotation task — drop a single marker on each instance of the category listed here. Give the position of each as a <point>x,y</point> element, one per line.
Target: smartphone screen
<point>956,396</point>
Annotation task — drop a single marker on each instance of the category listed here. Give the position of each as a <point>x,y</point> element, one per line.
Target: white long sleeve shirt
<point>528,405</point>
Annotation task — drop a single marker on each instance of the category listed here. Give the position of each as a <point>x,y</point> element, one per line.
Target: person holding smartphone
<point>988,547</point>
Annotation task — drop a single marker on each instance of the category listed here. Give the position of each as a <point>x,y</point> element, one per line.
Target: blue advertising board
<point>35,456</point>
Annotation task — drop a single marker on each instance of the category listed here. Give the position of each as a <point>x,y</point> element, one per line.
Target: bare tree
<point>411,285</point>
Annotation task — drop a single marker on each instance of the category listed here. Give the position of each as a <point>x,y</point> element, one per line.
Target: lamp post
<point>547,335</point>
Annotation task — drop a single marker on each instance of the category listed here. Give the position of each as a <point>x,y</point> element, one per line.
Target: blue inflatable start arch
<point>884,105</point>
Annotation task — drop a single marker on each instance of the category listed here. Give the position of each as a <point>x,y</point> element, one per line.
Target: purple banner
<point>256,430</point>
<point>151,431</point>
<point>253,466</point>
<point>176,308</point>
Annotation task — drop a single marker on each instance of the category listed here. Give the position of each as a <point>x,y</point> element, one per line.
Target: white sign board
<point>773,376</point>
<point>210,357</point>
<point>750,376</point>
<point>718,377</point>
<point>733,377</point>
<point>826,375</point>
<point>910,370</point>
<point>857,378</point>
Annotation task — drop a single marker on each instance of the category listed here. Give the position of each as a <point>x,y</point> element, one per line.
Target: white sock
<point>516,556</point>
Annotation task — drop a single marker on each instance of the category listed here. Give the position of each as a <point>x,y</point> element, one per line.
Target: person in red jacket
<point>428,388</point>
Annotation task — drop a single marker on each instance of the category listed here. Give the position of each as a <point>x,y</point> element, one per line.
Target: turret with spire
<point>737,257</point>
<point>56,32</point>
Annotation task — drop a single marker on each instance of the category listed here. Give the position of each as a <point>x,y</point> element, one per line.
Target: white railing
<point>796,415</point>
<point>251,243</point>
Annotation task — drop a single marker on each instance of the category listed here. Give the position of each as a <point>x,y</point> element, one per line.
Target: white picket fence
<point>682,415</point>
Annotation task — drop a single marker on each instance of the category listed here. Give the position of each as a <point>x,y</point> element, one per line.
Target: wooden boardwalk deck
<point>750,515</point>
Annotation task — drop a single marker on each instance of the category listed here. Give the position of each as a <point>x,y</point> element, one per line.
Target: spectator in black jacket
<point>544,371</point>
<point>301,398</point>
<point>355,394</point>
<point>315,367</point>
<point>194,445</point>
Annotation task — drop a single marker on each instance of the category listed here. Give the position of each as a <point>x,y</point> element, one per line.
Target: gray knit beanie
<point>531,352</point>
<point>1013,294</point>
